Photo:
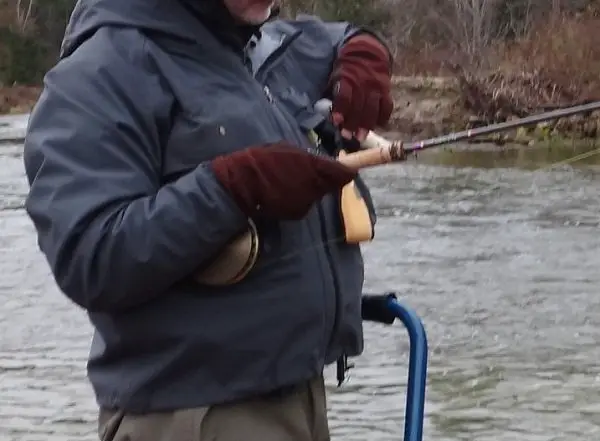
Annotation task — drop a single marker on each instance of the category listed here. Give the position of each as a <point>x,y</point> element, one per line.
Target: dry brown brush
<point>557,64</point>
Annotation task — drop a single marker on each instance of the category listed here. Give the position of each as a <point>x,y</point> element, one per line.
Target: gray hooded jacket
<point>146,93</point>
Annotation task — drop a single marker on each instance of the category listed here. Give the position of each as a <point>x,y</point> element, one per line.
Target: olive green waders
<point>297,414</point>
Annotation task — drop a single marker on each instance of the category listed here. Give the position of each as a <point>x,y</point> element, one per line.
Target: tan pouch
<point>356,220</point>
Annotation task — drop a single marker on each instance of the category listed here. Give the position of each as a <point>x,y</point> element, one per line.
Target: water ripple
<point>501,264</point>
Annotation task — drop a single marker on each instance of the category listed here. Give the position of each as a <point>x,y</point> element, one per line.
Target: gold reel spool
<point>234,262</point>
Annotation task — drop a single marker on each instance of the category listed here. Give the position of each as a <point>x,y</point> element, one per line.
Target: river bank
<point>425,106</point>
<point>432,106</point>
<point>18,99</point>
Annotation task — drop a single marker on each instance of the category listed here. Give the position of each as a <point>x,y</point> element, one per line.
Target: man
<point>164,127</point>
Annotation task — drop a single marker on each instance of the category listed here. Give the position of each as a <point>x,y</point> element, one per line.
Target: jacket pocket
<point>200,137</point>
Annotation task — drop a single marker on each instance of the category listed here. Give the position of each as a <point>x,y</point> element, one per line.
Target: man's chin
<point>257,18</point>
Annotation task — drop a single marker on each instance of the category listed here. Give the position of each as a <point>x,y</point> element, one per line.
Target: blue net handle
<point>417,370</point>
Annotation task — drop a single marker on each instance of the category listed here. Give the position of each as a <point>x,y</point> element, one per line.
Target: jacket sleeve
<point>113,236</point>
<point>341,32</point>
<point>315,50</point>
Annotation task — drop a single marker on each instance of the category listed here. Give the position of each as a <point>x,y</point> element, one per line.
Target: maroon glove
<point>361,82</point>
<point>279,180</point>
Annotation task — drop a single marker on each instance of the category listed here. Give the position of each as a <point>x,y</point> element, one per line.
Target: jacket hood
<point>175,18</point>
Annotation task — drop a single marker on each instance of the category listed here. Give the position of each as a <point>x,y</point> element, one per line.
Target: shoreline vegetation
<point>425,106</point>
<point>479,76</point>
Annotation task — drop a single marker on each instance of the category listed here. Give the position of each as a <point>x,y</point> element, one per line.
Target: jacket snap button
<point>268,94</point>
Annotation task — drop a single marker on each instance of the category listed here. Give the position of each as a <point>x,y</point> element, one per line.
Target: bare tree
<point>23,10</point>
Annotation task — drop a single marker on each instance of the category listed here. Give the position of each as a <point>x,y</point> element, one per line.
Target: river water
<point>499,258</point>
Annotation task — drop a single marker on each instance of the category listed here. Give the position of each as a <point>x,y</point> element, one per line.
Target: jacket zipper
<point>334,330</point>
<point>342,360</point>
<point>328,256</point>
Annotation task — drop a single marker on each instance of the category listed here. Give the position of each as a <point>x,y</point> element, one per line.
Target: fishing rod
<point>240,256</point>
<point>374,140</point>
